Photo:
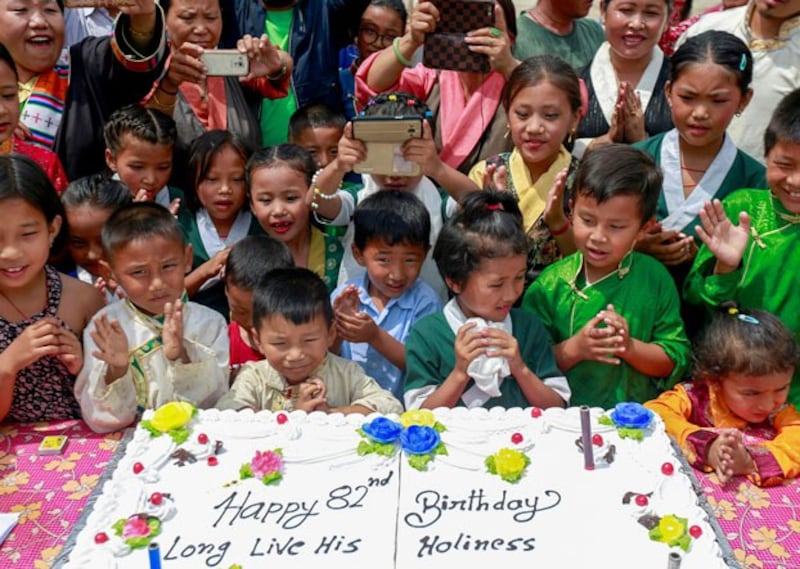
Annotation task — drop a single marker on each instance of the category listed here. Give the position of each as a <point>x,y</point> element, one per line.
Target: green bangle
<point>399,56</point>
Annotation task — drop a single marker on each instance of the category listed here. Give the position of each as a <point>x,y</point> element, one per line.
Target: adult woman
<point>67,97</point>
<point>470,122</point>
<point>199,103</point>
<point>626,77</point>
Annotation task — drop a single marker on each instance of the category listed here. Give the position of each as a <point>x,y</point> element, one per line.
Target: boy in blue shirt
<point>374,313</point>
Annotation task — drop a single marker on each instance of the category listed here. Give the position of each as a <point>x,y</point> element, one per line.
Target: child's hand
<point>174,207</point>
<point>38,340</point>
<point>504,345</point>
<point>671,247</point>
<point>70,351</point>
<point>468,346</point>
<point>597,344</point>
<point>725,240</point>
<point>172,333</point>
<point>423,151</point>
<point>350,151</point>
<point>356,328</point>
<point>554,210</point>
<point>109,286</point>
<point>618,328</point>
<point>112,346</point>
<point>729,457</point>
<point>213,267</point>
<point>312,395</point>
<point>495,177</point>
<point>347,302</point>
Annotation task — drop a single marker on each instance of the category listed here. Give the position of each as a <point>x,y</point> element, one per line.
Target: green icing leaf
<point>245,471</point>
<point>365,447</point>
<point>361,432</point>
<point>180,435</point>
<point>438,427</point>
<point>628,433</point>
<point>684,542</point>
<point>440,449</point>
<point>148,426</point>
<point>489,462</point>
<point>419,461</point>
<point>385,449</point>
<point>138,542</point>
<point>272,478</point>
<point>605,420</point>
<point>118,526</point>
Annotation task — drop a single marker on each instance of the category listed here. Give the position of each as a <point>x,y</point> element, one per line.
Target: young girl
<point>709,84</point>
<point>139,148</point>
<point>40,350</point>
<point>88,203</point>
<point>733,418</point>
<point>543,102</point>
<point>278,178</point>
<point>217,214</point>
<point>9,118</point>
<point>479,351</point>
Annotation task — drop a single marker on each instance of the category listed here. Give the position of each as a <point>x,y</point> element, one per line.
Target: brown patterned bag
<point>445,48</point>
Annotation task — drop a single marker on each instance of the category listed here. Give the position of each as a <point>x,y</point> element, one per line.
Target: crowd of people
<point>610,214</point>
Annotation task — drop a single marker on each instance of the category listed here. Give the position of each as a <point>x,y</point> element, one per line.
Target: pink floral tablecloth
<point>47,491</point>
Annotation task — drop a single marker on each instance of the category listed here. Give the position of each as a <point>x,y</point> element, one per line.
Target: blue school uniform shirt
<point>397,318</point>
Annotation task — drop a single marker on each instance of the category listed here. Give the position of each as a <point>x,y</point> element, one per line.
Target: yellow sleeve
<point>778,459</point>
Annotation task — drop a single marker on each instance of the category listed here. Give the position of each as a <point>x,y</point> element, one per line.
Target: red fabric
<point>45,158</point>
<point>241,352</point>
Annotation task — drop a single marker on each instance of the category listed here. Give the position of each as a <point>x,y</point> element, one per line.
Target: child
<point>217,214</point>
<point>139,147</point>
<point>709,83</point>
<point>247,265</point>
<point>40,350</point>
<point>613,314</point>
<point>317,128</point>
<point>752,263</point>
<point>278,178</point>
<point>88,203</point>
<point>375,313</point>
<point>153,347</point>
<point>293,326</point>
<point>480,351</point>
<point>743,367</point>
<point>543,102</point>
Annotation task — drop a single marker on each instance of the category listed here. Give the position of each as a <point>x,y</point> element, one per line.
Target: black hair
<point>395,104</point>
<point>746,342</point>
<point>540,68</point>
<point>488,226</point>
<point>22,178</point>
<point>510,13</point>
<point>138,220</point>
<point>315,116</point>
<point>721,48</point>
<point>393,216</point>
<point>604,6</point>
<point>253,257</point>
<point>296,294</point>
<point>98,191</point>
<point>145,124</point>
<point>201,154</point>
<point>785,122</point>
<point>620,170</point>
<point>293,156</point>
<point>5,57</point>
<point>396,6</point>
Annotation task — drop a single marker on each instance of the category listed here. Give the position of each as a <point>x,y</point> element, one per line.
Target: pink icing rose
<point>135,526</point>
<point>265,463</point>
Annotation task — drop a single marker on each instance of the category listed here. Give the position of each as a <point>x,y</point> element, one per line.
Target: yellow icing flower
<point>173,415</point>
<point>421,417</point>
<point>509,462</point>
<point>672,528</point>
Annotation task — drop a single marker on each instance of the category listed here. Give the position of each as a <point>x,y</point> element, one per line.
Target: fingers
<point>141,196</point>
<point>744,221</point>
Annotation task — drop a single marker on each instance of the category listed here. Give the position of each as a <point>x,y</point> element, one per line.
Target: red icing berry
<point>138,467</point>
<point>641,500</point>
<point>281,418</point>
<point>156,498</point>
<point>695,531</point>
<point>516,438</point>
<point>597,440</point>
<point>202,438</point>
<point>101,537</point>
<point>536,412</point>
<point>667,468</point>
<point>212,461</point>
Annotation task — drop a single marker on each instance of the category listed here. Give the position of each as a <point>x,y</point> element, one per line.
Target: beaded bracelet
<point>561,230</point>
<point>398,54</point>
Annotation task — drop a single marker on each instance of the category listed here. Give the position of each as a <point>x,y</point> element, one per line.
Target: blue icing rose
<point>382,430</point>
<point>419,440</point>
<point>631,416</point>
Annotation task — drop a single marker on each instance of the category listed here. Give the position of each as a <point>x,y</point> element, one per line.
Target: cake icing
<point>343,500</point>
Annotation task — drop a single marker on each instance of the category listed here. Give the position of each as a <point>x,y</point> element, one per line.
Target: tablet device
<point>384,138</point>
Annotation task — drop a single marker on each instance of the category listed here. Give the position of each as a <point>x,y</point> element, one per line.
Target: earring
<point>738,113</point>
<point>508,131</point>
<point>570,141</point>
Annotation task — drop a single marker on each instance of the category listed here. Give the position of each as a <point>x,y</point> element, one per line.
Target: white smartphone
<point>226,62</point>
<point>384,138</point>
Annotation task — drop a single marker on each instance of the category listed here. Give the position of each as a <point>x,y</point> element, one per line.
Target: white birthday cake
<point>423,490</point>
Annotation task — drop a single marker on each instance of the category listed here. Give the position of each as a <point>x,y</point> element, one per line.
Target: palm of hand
<point>728,242</point>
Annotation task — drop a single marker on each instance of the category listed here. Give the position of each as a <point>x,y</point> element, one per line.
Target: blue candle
<point>155,555</point>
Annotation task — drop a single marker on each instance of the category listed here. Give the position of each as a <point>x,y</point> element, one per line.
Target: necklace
<point>14,306</point>
<point>552,25</point>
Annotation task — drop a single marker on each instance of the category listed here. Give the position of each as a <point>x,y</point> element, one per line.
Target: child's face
<point>755,398</point>
<point>151,271</point>
<point>277,198</point>
<point>222,191</point>
<point>396,182</point>
<point>378,27</point>
<point>492,289</point>
<point>605,232</point>
<point>783,174</point>
<point>322,142</point>
<point>141,165</point>
<point>25,239</point>
<point>704,99</point>
<point>9,102</point>
<point>85,224</point>
<point>240,302</point>
<point>392,269</point>
<point>294,350</point>
<point>539,119</point>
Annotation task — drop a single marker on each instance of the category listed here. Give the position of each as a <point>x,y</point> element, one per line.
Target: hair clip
<point>428,114</point>
<point>494,206</point>
<point>749,319</point>
<point>392,97</point>
<point>743,62</point>
<point>733,311</point>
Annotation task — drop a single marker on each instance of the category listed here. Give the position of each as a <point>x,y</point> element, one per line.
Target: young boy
<point>613,313</point>
<point>247,264</point>
<point>375,313</point>
<point>754,263</point>
<point>154,347</point>
<point>293,327</point>
<point>317,128</point>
